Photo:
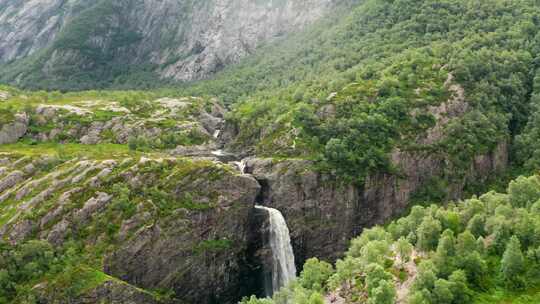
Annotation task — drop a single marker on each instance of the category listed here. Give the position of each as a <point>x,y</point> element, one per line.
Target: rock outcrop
<point>11,132</point>
<point>110,292</point>
<point>114,292</point>
<point>168,224</point>
<point>161,123</point>
<point>201,266</point>
<point>321,213</point>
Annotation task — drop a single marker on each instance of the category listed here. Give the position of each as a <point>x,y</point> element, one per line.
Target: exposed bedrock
<point>187,253</point>
<point>323,214</point>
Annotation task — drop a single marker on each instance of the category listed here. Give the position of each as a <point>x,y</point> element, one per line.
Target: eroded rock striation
<point>167,224</point>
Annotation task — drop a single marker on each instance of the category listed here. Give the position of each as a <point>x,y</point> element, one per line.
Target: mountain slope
<point>386,70</point>
<point>84,44</point>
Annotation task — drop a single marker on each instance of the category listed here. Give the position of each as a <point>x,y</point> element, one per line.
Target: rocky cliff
<point>146,224</point>
<point>182,40</point>
<point>323,213</point>
<point>162,123</point>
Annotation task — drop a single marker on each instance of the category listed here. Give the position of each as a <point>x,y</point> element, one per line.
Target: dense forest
<point>354,88</point>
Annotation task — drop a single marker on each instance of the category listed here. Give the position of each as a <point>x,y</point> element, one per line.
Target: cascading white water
<point>241,165</point>
<point>283,268</point>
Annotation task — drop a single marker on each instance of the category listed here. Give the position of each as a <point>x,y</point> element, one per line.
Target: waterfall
<point>241,165</point>
<point>283,268</point>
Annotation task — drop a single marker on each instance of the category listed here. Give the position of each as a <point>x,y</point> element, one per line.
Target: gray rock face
<point>11,180</point>
<point>27,26</point>
<point>323,215</point>
<point>13,131</point>
<point>161,256</point>
<point>320,213</point>
<point>117,293</point>
<point>185,40</point>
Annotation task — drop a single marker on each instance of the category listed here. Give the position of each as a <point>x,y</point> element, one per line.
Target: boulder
<point>13,131</point>
<point>4,95</point>
<point>11,180</point>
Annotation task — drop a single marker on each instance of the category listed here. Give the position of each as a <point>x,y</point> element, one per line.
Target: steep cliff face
<point>29,26</point>
<point>324,214</point>
<point>183,40</point>
<point>154,224</point>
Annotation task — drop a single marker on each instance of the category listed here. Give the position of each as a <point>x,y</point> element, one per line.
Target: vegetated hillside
<point>352,90</point>
<point>99,203</point>
<point>143,120</point>
<point>107,228</point>
<point>74,45</point>
<point>481,250</point>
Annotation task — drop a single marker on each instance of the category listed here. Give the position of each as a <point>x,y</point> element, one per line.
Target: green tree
<point>474,266</point>
<point>315,274</point>
<point>316,298</point>
<point>524,191</point>
<point>466,242</point>
<point>403,249</point>
<point>384,293</point>
<point>442,292</point>
<point>444,255</point>
<point>460,289</point>
<point>428,233</point>
<point>375,275</point>
<point>419,297</point>
<point>427,275</point>
<point>513,264</point>
<point>476,225</point>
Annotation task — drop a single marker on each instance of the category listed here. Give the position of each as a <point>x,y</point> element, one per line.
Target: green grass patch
<point>71,150</point>
<point>213,246</point>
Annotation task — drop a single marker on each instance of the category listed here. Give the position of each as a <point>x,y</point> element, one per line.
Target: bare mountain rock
<point>182,40</point>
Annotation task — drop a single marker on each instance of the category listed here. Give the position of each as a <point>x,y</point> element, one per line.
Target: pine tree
<point>428,233</point>
<point>512,264</point>
<point>443,291</point>
<point>460,289</point>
